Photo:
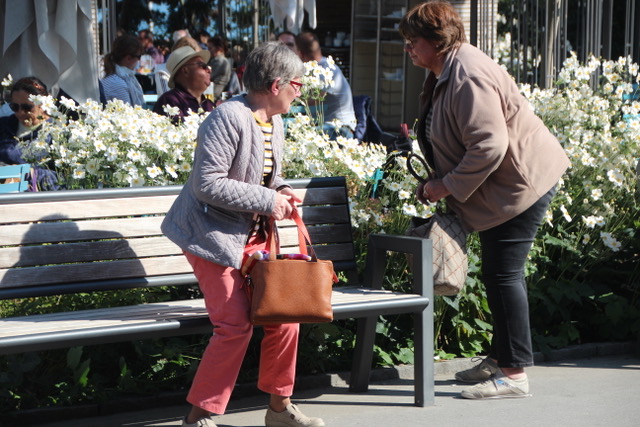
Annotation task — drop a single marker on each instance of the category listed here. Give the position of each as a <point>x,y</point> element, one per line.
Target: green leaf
<point>73,357</point>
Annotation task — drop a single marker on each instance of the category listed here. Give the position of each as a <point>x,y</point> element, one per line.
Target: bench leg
<point>363,354</point>
<point>423,358</point>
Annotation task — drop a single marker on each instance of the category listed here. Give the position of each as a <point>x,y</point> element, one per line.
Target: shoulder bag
<point>449,241</point>
<point>290,290</point>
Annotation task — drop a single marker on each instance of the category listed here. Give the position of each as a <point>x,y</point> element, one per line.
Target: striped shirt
<point>267,131</point>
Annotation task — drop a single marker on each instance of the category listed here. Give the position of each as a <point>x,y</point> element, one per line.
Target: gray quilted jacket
<point>213,214</point>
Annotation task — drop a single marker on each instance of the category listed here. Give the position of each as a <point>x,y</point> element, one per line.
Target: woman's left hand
<point>434,190</point>
<point>288,191</point>
<point>285,204</point>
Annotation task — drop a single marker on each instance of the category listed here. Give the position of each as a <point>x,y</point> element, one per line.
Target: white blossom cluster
<point>118,145</point>
<point>599,127</point>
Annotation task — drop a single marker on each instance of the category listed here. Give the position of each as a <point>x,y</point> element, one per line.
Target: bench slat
<point>109,207</point>
<point>70,231</point>
<point>113,270</point>
<point>325,234</point>
<point>168,315</point>
<point>54,231</point>
<point>322,196</point>
<point>82,209</point>
<point>24,256</point>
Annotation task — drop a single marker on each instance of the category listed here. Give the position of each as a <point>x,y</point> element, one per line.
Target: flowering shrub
<point>597,199</point>
<point>118,146</point>
<point>587,251</point>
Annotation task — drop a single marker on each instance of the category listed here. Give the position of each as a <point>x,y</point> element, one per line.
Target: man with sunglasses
<point>22,127</point>
<point>189,77</point>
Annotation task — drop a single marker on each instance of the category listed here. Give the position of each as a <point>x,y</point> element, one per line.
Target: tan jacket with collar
<point>494,155</point>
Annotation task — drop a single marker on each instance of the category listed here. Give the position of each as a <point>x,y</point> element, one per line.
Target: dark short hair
<point>219,42</point>
<point>123,45</point>
<point>437,21</point>
<point>308,43</point>
<point>31,85</point>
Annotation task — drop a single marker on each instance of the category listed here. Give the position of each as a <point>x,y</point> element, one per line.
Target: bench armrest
<point>419,248</point>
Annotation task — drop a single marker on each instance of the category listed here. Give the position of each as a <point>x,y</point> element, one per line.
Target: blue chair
<point>14,179</point>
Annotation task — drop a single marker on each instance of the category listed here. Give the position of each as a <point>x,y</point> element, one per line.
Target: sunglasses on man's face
<point>24,107</point>
<point>199,64</point>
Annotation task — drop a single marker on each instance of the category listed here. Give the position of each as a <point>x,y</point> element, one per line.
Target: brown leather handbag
<point>291,290</point>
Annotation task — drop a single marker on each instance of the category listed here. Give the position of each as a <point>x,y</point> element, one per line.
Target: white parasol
<point>52,40</point>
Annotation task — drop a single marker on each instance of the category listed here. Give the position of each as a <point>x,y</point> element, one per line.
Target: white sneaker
<point>499,386</point>
<point>202,422</point>
<point>290,417</point>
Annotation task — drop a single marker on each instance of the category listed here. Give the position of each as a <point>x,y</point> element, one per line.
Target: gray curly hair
<point>269,61</point>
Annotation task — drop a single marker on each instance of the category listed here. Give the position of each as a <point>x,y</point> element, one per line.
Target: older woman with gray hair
<point>218,220</point>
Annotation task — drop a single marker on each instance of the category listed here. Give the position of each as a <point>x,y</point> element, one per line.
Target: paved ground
<point>593,391</point>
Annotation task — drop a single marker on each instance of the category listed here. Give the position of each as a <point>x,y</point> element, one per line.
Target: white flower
<point>68,103</point>
<point>565,213</point>
<point>616,177</point>
<point>92,167</point>
<point>404,194</point>
<point>79,173</point>
<point>409,210</point>
<point>548,218</point>
<point>596,194</point>
<point>7,81</point>
<point>154,171</point>
<point>172,170</point>
<point>136,181</point>
<point>592,220</point>
<point>610,241</point>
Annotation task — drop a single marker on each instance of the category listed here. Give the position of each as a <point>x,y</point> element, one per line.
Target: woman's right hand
<point>284,208</point>
<point>420,194</point>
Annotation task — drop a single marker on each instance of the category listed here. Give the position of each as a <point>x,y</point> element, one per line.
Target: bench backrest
<point>90,240</point>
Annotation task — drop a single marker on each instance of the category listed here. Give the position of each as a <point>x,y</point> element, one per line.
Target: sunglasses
<point>24,107</point>
<point>199,64</point>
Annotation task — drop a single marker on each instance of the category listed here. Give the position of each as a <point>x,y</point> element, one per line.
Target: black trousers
<point>504,253</point>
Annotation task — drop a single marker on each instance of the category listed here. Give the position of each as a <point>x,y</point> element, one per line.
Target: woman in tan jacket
<point>496,164</point>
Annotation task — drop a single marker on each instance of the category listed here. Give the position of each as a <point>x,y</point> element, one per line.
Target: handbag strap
<point>304,241</point>
<point>273,239</point>
<point>410,158</point>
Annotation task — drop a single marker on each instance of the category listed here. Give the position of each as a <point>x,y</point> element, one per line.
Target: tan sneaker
<point>498,386</point>
<point>481,372</point>
<point>290,417</point>
<point>202,422</point>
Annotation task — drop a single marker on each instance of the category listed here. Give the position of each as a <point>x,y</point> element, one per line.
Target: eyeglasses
<point>296,85</point>
<point>199,64</point>
<point>409,44</point>
<point>24,107</point>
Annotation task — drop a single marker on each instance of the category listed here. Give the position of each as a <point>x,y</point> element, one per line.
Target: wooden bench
<point>82,241</point>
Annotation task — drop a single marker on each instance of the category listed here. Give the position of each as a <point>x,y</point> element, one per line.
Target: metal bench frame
<point>119,212</point>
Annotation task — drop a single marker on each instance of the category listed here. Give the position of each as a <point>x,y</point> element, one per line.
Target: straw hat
<point>180,56</point>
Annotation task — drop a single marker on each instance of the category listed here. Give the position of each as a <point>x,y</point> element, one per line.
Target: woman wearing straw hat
<point>189,77</point>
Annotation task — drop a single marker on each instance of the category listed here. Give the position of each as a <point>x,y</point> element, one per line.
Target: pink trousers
<point>228,307</point>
